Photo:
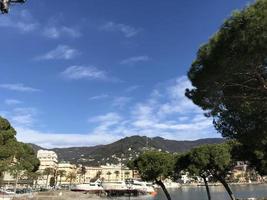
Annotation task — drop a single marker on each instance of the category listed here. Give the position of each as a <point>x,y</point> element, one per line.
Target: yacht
<point>143,187</point>
<point>94,187</point>
<point>114,185</point>
<point>171,184</point>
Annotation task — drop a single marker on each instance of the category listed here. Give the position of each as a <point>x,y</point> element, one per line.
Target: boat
<point>171,184</point>
<point>94,187</point>
<point>142,186</point>
<point>134,187</point>
<point>114,185</point>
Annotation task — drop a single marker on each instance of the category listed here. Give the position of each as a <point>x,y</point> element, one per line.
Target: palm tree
<point>61,173</point>
<point>71,177</point>
<point>47,172</point>
<point>32,176</point>
<point>83,172</point>
<point>108,173</point>
<point>97,176</point>
<point>117,174</point>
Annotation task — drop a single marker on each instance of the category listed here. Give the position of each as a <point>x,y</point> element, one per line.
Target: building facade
<point>48,160</point>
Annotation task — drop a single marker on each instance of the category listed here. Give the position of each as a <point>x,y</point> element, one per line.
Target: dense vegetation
<point>15,157</point>
<point>229,77</point>
<point>206,161</point>
<point>155,166</point>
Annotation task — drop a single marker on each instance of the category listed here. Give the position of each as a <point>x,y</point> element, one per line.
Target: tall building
<point>48,159</point>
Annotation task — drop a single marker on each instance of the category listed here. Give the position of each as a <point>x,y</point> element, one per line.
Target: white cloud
<point>166,113</point>
<point>18,87</point>
<point>82,72</point>
<point>134,60</point>
<point>52,139</point>
<point>62,52</point>
<point>55,32</point>
<point>98,97</point>
<point>22,21</point>
<point>120,102</point>
<point>126,30</point>
<point>11,102</point>
<point>109,118</point>
<point>21,116</point>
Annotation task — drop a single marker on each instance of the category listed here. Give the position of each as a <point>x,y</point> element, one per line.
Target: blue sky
<point>93,71</point>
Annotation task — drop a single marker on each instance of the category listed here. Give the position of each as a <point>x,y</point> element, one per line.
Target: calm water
<point>199,193</point>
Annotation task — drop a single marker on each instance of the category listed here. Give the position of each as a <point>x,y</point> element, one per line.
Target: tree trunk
<point>46,185</point>
<point>207,187</point>
<point>161,184</point>
<point>16,183</point>
<point>227,188</point>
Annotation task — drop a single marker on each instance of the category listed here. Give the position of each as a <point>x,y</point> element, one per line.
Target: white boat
<point>143,187</point>
<point>88,187</point>
<point>171,184</point>
<point>114,185</point>
<point>136,186</point>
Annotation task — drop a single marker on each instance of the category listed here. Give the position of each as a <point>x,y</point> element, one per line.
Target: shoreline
<point>219,184</point>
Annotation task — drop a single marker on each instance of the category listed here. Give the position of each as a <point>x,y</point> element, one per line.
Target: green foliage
<point>15,156</point>
<point>25,158</point>
<point>154,165</point>
<point>7,144</point>
<point>71,176</point>
<point>229,77</point>
<point>207,160</point>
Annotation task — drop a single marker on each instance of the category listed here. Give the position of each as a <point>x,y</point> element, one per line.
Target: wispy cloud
<point>22,21</point>
<point>54,139</point>
<point>11,102</point>
<point>132,88</point>
<point>55,32</point>
<point>82,72</point>
<point>127,30</point>
<point>21,116</point>
<point>19,87</point>
<point>134,60</point>
<point>62,52</point>
<point>98,97</point>
<point>121,102</point>
<point>166,113</point>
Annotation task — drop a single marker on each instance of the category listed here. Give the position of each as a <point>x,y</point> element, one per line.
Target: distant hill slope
<point>124,149</point>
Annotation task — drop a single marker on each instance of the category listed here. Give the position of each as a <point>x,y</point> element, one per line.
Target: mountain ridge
<point>124,149</point>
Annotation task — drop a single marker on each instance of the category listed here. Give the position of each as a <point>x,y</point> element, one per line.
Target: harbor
<point>243,192</point>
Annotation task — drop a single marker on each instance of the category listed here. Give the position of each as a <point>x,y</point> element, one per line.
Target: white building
<point>66,168</point>
<point>48,159</point>
<point>108,173</point>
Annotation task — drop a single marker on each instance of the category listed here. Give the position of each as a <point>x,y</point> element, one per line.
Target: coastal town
<point>56,175</point>
<point>141,100</point>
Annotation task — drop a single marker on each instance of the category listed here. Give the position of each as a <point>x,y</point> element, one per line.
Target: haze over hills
<point>124,149</point>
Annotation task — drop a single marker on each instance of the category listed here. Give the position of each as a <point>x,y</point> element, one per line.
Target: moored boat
<point>94,187</point>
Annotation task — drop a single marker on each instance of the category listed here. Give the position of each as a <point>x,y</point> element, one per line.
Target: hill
<point>124,149</point>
